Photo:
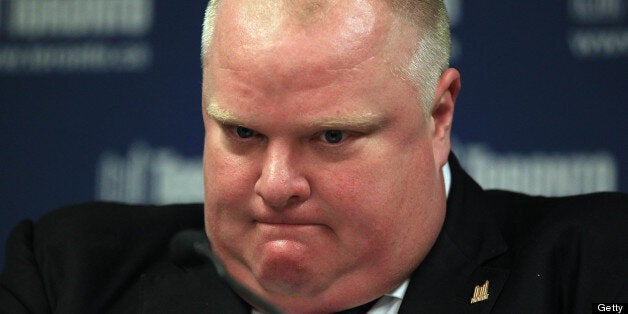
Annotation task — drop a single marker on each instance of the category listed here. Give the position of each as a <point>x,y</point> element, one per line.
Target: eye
<point>244,132</point>
<point>333,136</point>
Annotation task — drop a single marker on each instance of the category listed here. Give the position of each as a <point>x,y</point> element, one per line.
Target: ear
<point>442,114</point>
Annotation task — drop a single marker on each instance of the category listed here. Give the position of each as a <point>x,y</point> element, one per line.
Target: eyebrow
<point>221,115</point>
<point>363,121</point>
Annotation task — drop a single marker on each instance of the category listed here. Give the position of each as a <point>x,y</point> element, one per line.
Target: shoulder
<point>86,256</point>
<point>597,217</point>
<point>100,224</point>
<point>120,212</point>
<point>569,237</point>
<point>520,212</point>
<point>91,221</point>
<point>520,217</point>
<point>96,232</point>
<point>570,245</point>
<point>602,200</point>
<point>88,224</point>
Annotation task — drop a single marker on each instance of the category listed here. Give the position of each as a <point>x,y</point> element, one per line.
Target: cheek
<point>379,177</point>
<point>228,183</point>
<point>227,176</point>
<point>376,197</point>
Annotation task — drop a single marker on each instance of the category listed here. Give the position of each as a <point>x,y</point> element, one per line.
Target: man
<point>323,165</point>
<point>327,186</point>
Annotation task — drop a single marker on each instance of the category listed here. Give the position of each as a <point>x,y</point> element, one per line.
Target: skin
<point>309,225</point>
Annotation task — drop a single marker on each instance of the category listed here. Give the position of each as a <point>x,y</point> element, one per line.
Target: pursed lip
<point>288,231</point>
<point>284,224</point>
<point>294,218</point>
<point>287,226</point>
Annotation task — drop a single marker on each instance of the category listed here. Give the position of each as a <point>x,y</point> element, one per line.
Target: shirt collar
<point>447,177</point>
<point>400,291</point>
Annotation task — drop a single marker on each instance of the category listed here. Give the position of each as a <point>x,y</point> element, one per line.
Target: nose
<point>281,183</point>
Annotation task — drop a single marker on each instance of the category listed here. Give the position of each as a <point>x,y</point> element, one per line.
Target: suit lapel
<point>446,280</point>
<point>433,285</point>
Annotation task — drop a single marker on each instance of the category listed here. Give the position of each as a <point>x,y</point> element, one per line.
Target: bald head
<point>346,26</point>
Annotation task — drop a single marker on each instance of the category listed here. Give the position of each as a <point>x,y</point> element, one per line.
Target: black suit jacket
<point>539,255</point>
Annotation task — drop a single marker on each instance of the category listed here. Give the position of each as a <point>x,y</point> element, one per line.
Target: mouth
<point>282,222</point>
<point>288,229</point>
<point>286,220</point>
<point>268,224</point>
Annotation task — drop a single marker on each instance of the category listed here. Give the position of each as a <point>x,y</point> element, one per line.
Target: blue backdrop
<point>100,99</point>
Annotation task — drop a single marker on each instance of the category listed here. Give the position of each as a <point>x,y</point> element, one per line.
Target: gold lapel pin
<point>480,293</point>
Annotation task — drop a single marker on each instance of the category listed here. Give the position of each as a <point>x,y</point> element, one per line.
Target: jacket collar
<point>446,279</point>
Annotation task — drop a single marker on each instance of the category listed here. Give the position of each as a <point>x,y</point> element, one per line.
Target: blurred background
<point>100,99</point>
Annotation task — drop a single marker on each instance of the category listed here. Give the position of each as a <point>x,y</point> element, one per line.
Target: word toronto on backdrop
<point>135,145</point>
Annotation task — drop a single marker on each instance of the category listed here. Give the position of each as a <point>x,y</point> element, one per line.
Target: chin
<point>288,275</point>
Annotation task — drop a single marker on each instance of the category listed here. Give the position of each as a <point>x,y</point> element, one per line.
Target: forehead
<point>339,60</point>
<point>280,37</point>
